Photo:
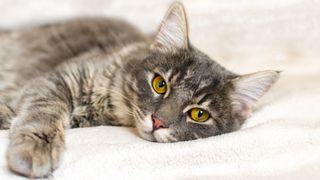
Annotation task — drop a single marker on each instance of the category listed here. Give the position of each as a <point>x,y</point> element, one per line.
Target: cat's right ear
<point>173,31</point>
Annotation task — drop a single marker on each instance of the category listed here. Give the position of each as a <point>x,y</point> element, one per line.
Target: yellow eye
<point>199,115</point>
<point>159,85</point>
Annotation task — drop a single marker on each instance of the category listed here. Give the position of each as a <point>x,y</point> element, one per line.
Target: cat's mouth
<point>160,135</point>
<point>147,132</point>
<point>164,135</point>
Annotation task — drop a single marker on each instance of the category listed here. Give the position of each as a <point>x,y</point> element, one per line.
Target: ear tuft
<point>173,31</point>
<point>248,89</point>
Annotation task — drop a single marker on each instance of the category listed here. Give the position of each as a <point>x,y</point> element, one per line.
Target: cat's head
<point>182,94</point>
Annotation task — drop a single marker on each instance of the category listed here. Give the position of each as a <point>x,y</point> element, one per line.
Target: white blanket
<point>280,141</point>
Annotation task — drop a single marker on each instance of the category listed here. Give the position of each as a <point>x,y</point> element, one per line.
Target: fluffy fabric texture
<point>280,141</point>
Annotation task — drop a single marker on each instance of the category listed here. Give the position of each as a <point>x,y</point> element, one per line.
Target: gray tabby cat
<point>93,72</point>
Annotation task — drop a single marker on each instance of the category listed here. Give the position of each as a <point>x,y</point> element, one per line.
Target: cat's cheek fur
<point>144,128</point>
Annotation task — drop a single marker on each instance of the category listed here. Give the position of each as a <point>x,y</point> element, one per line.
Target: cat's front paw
<point>6,114</point>
<point>34,155</point>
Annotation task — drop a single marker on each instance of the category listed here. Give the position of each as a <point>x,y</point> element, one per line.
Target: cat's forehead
<point>184,62</point>
<point>190,72</point>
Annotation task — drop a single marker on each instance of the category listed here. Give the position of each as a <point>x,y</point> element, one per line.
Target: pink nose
<point>157,122</point>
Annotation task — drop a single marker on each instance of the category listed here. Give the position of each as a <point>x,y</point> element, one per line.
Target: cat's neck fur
<point>104,98</point>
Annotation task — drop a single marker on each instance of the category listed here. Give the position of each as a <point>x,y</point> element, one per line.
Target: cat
<point>99,71</point>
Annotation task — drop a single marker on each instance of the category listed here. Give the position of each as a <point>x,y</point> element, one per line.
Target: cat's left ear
<point>248,89</point>
<point>173,31</point>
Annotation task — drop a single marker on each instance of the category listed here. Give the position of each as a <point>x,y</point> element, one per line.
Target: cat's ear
<point>248,89</point>
<point>173,31</point>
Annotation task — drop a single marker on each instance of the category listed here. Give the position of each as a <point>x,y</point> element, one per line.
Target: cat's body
<point>93,72</point>
<point>31,53</point>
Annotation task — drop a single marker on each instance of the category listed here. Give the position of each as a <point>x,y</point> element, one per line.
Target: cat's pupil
<point>162,84</point>
<point>200,113</point>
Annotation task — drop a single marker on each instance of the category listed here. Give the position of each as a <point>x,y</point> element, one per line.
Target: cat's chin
<point>160,136</point>
<point>164,135</point>
<point>147,136</point>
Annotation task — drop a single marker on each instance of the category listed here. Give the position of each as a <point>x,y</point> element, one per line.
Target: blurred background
<point>243,35</point>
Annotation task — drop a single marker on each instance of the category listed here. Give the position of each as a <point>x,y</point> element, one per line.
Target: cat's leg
<point>6,114</point>
<point>36,138</point>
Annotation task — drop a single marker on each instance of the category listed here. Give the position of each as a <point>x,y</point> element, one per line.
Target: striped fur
<point>90,72</point>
